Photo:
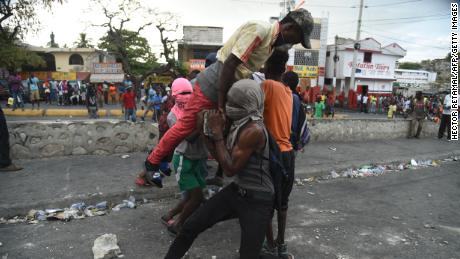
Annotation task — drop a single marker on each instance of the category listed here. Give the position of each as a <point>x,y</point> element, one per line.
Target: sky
<point>422,27</point>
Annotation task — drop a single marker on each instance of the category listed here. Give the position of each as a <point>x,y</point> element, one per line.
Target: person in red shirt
<point>100,96</point>
<point>129,103</point>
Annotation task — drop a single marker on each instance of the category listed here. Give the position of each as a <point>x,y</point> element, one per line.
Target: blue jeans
<point>17,104</point>
<point>130,113</point>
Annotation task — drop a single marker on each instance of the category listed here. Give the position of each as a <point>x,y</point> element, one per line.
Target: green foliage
<point>83,42</point>
<point>130,49</point>
<point>13,56</point>
<point>410,65</point>
<point>181,68</point>
<point>18,17</point>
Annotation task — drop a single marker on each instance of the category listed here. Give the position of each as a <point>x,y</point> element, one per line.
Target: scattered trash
<point>332,148</point>
<point>316,237</point>
<point>298,182</point>
<point>125,204</point>
<point>101,205</point>
<point>106,247</point>
<point>376,170</point>
<point>78,206</point>
<point>132,199</point>
<point>334,211</point>
<point>124,156</point>
<point>309,179</point>
<point>311,193</point>
<point>395,217</point>
<point>445,242</point>
<point>50,211</point>
<point>334,174</point>
<point>429,195</point>
<point>1,244</point>
<point>428,226</point>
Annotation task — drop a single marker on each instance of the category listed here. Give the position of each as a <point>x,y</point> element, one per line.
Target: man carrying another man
<point>245,52</point>
<point>244,155</point>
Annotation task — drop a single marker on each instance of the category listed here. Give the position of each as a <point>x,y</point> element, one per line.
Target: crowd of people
<point>250,121</point>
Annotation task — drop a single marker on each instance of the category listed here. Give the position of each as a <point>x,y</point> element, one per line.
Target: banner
<point>196,64</point>
<point>107,68</point>
<point>306,71</point>
<point>64,75</point>
<point>161,80</point>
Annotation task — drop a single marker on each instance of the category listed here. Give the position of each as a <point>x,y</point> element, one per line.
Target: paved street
<point>411,214</point>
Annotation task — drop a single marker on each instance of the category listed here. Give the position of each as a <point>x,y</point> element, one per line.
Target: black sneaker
<point>166,171</point>
<point>154,178</point>
<point>267,251</point>
<point>283,253</point>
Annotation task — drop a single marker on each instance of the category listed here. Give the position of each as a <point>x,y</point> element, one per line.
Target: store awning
<point>111,78</point>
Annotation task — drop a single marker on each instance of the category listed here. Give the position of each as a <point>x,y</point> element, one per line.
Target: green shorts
<point>189,173</point>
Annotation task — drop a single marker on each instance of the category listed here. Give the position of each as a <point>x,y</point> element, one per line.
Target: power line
<point>405,18</point>
<point>412,21</point>
<point>424,17</point>
<point>393,4</point>
<point>410,42</point>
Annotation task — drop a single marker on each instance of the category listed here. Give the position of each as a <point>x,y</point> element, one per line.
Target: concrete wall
<point>39,139</point>
<point>362,130</point>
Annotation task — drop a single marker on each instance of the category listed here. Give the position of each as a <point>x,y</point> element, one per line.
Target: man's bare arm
<point>227,78</point>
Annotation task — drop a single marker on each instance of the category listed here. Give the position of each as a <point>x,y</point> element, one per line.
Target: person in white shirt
<point>358,101</point>
<point>364,105</point>
<point>445,119</point>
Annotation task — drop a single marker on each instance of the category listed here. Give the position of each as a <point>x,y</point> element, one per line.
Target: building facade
<point>67,63</point>
<point>197,43</point>
<point>414,78</point>
<point>375,67</point>
<point>310,64</point>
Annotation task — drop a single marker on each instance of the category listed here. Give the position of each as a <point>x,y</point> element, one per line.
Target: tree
<point>14,56</point>
<point>130,49</point>
<point>83,42</point>
<point>136,51</point>
<point>52,43</point>
<point>167,22</point>
<point>410,65</point>
<point>18,17</point>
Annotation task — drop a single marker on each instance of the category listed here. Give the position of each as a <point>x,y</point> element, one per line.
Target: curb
<point>170,189</point>
<point>66,112</point>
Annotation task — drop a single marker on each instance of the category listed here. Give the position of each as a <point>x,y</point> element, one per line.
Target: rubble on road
<point>377,170</point>
<point>76,211</point>
<point>106,247</point>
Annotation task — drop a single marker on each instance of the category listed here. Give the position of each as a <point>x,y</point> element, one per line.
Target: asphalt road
<point>409,214</point>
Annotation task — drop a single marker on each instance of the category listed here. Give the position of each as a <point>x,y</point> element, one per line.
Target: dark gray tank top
<point>256,175</point>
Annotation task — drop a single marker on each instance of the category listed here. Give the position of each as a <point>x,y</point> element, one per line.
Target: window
<point>75,59</point>
<point>306,57</point>
<point>316,32</point>
<point>328,53</point>
<point>200,53</point>
<point>367,57</point>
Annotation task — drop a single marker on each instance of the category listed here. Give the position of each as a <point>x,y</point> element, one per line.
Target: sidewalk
<point>59,182</point>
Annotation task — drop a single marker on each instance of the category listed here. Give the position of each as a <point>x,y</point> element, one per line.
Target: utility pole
<point>356,46</point>
<point>335,58</point>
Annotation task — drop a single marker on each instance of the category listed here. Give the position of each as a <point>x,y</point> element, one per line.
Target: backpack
<point>300,134</point>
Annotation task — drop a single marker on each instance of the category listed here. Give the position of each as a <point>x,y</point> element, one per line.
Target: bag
<point>10,101</point>
<point>277,171</point>
<point>300,135</point>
